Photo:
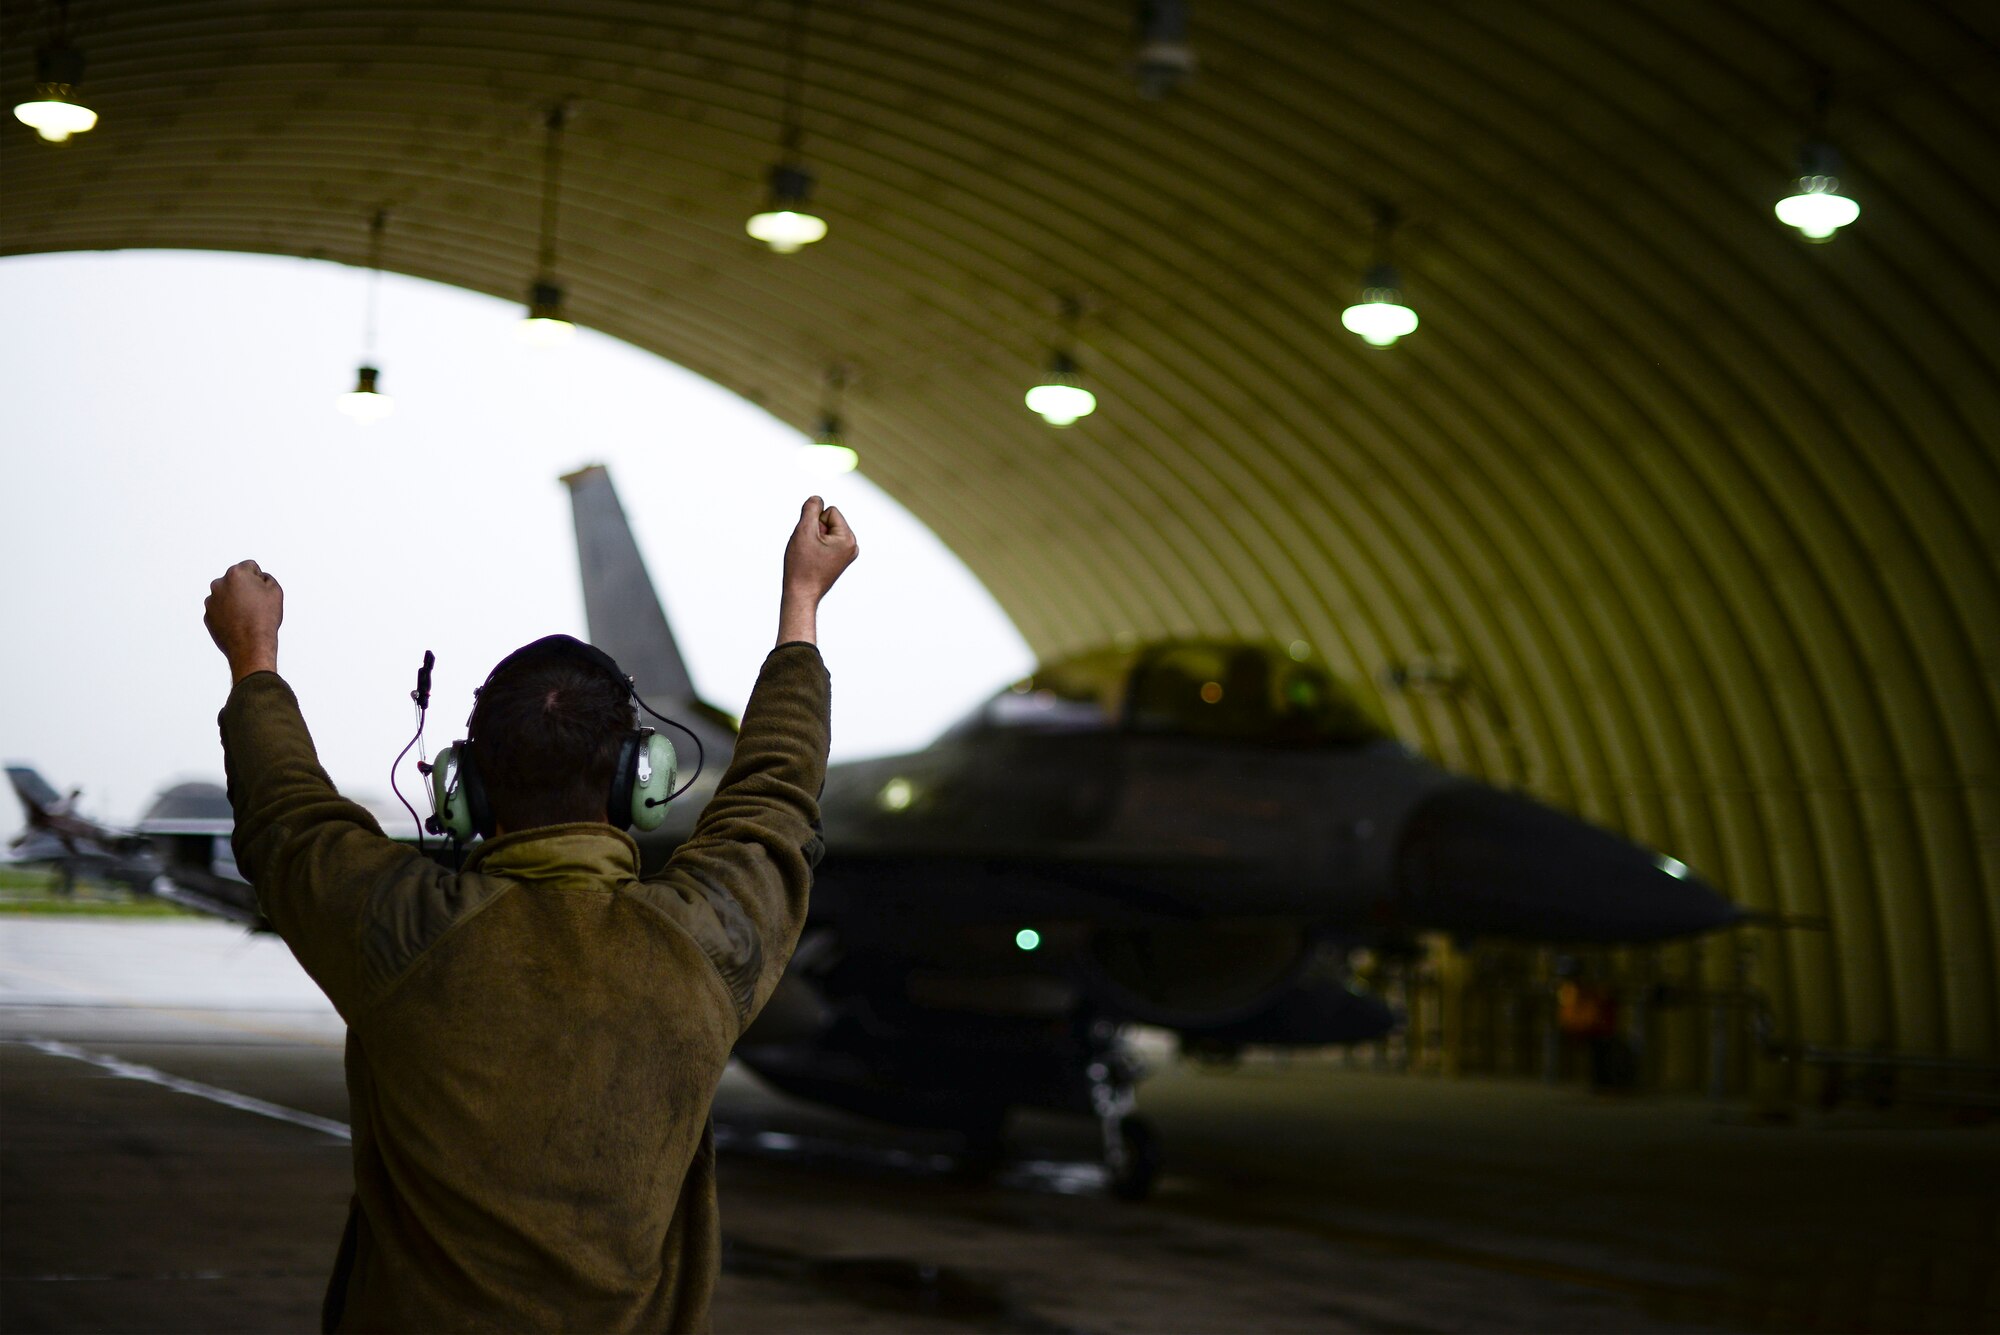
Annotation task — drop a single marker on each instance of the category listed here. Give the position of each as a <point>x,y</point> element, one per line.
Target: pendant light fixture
<point>1060,397</point>
<point>1164,60</point>
<point>829,453</point>
<point>547,323</point>
<point>366,403</point>
<point>1381,316</point>
<point>54,112</point>
<point>788,224</point>
<point>1816,207</point>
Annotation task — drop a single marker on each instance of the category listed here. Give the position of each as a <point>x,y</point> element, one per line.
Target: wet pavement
<point>172,1158</point>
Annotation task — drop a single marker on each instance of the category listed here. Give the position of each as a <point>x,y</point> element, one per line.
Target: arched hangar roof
<point>1706,516</point>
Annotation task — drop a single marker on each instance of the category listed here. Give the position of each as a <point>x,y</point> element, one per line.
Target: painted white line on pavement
<point>228,1098</point>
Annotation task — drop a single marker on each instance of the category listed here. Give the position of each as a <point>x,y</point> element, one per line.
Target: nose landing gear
<point>1132,1150</point>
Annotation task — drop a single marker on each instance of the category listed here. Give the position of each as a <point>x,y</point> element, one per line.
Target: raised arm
<point>314,858</point>
<point>747,868</point>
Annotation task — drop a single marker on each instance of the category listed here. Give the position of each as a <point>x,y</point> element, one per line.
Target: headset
<point>642,779</point>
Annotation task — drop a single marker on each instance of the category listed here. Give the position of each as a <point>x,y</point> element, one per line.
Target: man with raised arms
<point>534,1040</point>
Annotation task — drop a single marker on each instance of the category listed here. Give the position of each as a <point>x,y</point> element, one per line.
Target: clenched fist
<point>821,546</point>
<point>243,611</point>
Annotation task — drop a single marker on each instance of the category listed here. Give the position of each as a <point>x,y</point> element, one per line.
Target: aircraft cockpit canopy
<point>1220,690</point>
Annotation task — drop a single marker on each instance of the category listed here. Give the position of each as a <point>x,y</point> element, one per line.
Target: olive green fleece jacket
<point>533,1041</point>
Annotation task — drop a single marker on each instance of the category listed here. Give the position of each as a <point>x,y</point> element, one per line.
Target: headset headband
<point>557,646</point>
<point>563,645</point>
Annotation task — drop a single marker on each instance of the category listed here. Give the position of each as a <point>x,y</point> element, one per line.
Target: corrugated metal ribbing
<point>1713,515</point>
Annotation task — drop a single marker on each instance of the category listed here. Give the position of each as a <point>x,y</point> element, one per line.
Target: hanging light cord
<point>61,33</point>
<point>374,304</point>
<point>552,184</point>
<point>836,388</point>
<point>1386,218</point>
<point>1069,313</point>
<point>795,66</point>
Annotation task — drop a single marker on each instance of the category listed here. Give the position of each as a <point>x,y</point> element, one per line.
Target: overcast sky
<point>168,413</point>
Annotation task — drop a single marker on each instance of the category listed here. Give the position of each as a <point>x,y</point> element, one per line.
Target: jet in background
<point>1191,834</point>
<point>59,836</point>
<point>178,851</point>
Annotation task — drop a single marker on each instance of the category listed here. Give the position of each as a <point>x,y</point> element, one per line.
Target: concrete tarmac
<point>172,1158</point>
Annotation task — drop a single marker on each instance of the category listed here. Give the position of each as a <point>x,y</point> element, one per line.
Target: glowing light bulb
<point>786,230</point>
<point>1061,398</point>
<point>1818,210</point>
<point>55,116</point>
<point>1380,317</point>
<point>786,227</point>
<point>541,332</point>
<point>53,112</point>
<point>828,458</point>
<point>828,454</point>
<point>366,403</point>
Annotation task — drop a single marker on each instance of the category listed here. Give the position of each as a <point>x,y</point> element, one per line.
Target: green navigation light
<point>1027,938</point>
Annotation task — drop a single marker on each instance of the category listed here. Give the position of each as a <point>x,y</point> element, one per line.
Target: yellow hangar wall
<point>1706,517</point>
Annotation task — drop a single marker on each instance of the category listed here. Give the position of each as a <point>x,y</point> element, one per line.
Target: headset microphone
<point>422,696</point>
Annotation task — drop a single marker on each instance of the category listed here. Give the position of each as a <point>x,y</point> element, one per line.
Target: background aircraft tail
<point>38,797</point>
<point>626,619</point>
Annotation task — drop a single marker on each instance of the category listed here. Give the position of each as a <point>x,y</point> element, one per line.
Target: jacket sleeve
<point>317,861</point>
<point>748,866</point>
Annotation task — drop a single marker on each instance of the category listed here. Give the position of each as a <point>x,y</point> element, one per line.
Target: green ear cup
<point>448,800</point>
<point>653,782</point>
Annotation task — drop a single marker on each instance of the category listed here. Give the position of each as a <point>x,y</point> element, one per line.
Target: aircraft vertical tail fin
<point>624,613</point>
<point>37,795</point>
<point>625,616</point>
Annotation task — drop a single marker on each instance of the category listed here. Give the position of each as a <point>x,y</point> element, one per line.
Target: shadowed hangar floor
<point>1300,1197</point>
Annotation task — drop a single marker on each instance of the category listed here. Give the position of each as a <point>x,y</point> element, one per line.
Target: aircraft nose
<point>1478,861</point>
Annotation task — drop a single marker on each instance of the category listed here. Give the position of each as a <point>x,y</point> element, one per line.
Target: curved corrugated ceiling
<point>1708,514</point>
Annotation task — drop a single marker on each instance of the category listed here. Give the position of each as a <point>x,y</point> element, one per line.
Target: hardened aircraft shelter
<point>1663,512</point>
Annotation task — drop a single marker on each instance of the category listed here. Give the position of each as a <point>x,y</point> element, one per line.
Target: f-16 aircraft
<point>1189,834</point>
<point>179,850</point>
<point>60,836</point>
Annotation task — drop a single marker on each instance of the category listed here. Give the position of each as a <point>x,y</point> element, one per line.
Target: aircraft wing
<point>205,892</point>
<point>38,846</point>
<point>964,886</point>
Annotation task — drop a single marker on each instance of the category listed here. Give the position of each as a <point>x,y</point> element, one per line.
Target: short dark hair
<point>546,734</point>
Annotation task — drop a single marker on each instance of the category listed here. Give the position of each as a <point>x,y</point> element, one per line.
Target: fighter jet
<point>58,835</point>
<point>179,851</point>
<point>1191,834</point>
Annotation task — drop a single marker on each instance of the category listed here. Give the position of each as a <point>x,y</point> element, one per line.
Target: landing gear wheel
<point>1136,1167</point>
<point>1131,1144</point>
